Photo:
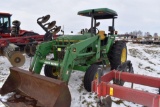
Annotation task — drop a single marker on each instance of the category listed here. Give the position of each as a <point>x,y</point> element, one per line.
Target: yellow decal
<point>59,49</point>
<point>111,91</point>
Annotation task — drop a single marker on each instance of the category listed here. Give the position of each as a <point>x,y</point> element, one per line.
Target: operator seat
<point>5,27</point>
<point>101,34</point>
<point>5,24</point>
<point>103,37</point>
<point>1,27</point>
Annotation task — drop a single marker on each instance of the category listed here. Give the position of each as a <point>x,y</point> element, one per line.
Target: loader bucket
<point>33,90</point>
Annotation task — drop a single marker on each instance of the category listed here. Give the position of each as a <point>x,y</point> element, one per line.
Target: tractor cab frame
<point>5,22</point>
<point>98,14</point>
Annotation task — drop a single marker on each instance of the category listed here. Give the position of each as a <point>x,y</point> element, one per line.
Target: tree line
<point>139,33</point>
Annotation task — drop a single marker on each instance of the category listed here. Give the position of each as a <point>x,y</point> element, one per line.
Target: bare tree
<point>155,35</point>
<point>147,34</point>
<point>139,33</point>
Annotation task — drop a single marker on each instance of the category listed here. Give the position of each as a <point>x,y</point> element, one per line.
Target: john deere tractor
<point>83,52</point>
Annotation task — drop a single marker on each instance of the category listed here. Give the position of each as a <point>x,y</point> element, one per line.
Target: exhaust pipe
<point>34,89</point>
<point>12,52</point>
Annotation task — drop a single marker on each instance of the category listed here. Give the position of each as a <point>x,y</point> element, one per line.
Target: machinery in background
<point>24,41</point>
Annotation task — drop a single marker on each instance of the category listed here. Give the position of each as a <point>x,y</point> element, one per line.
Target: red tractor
<point>7,31</point>
<point>14,40</point>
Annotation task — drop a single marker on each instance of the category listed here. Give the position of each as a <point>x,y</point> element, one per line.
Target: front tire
<point>90,75</point>
<point>51,71</point>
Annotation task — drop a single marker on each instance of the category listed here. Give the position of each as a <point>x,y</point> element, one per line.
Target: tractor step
<point>34,89</point>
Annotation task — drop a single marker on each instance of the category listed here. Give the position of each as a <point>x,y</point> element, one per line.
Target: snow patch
<point>145,60</point>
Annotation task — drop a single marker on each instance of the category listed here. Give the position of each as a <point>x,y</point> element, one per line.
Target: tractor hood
<point>75,37</point>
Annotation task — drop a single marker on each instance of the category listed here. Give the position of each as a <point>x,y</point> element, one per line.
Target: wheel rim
<point>56,73</point>
<point>96,76</point>
<point>123,55</point>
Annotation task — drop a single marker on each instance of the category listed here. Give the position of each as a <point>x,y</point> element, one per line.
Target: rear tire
<point>117,54</point>
<point>125,67</point>
<point>90,75</point>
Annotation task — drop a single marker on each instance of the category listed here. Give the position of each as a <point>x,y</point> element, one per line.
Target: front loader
<point>82,52</point>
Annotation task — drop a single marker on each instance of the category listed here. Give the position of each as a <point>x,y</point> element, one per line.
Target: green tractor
<point>83,52</point>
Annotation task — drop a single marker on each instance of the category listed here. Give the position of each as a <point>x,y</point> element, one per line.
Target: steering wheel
<point>94,31</point>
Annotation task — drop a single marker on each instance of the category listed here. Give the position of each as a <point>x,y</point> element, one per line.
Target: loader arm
<point>74,52</point>
<point>41,52</point>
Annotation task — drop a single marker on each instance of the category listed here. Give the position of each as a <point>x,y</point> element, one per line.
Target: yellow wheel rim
<point>96,76</point>
<point>56,73</point>
<point>124,55</point>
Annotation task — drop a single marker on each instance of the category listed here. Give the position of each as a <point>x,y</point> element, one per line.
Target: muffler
<point>34,89</point>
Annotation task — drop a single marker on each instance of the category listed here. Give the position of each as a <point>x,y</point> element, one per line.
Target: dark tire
<point>27,49</point>
<point>90,75</point>
<point>125,67</point>
<point>33,49</point>
<point>50,71</point>
<point>117,54</point>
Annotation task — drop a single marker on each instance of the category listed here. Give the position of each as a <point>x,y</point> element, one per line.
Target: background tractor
<point>6,30</point>
<point>14,41</point>
<point>83,52</point>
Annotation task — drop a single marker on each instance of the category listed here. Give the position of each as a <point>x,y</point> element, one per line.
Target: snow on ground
<point>145,60</point>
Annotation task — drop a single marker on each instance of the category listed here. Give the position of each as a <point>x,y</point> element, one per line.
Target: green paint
<point>80,51</point>
<point>100,13</point>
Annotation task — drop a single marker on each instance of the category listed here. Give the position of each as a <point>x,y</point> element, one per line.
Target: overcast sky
<point>141,15</point>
